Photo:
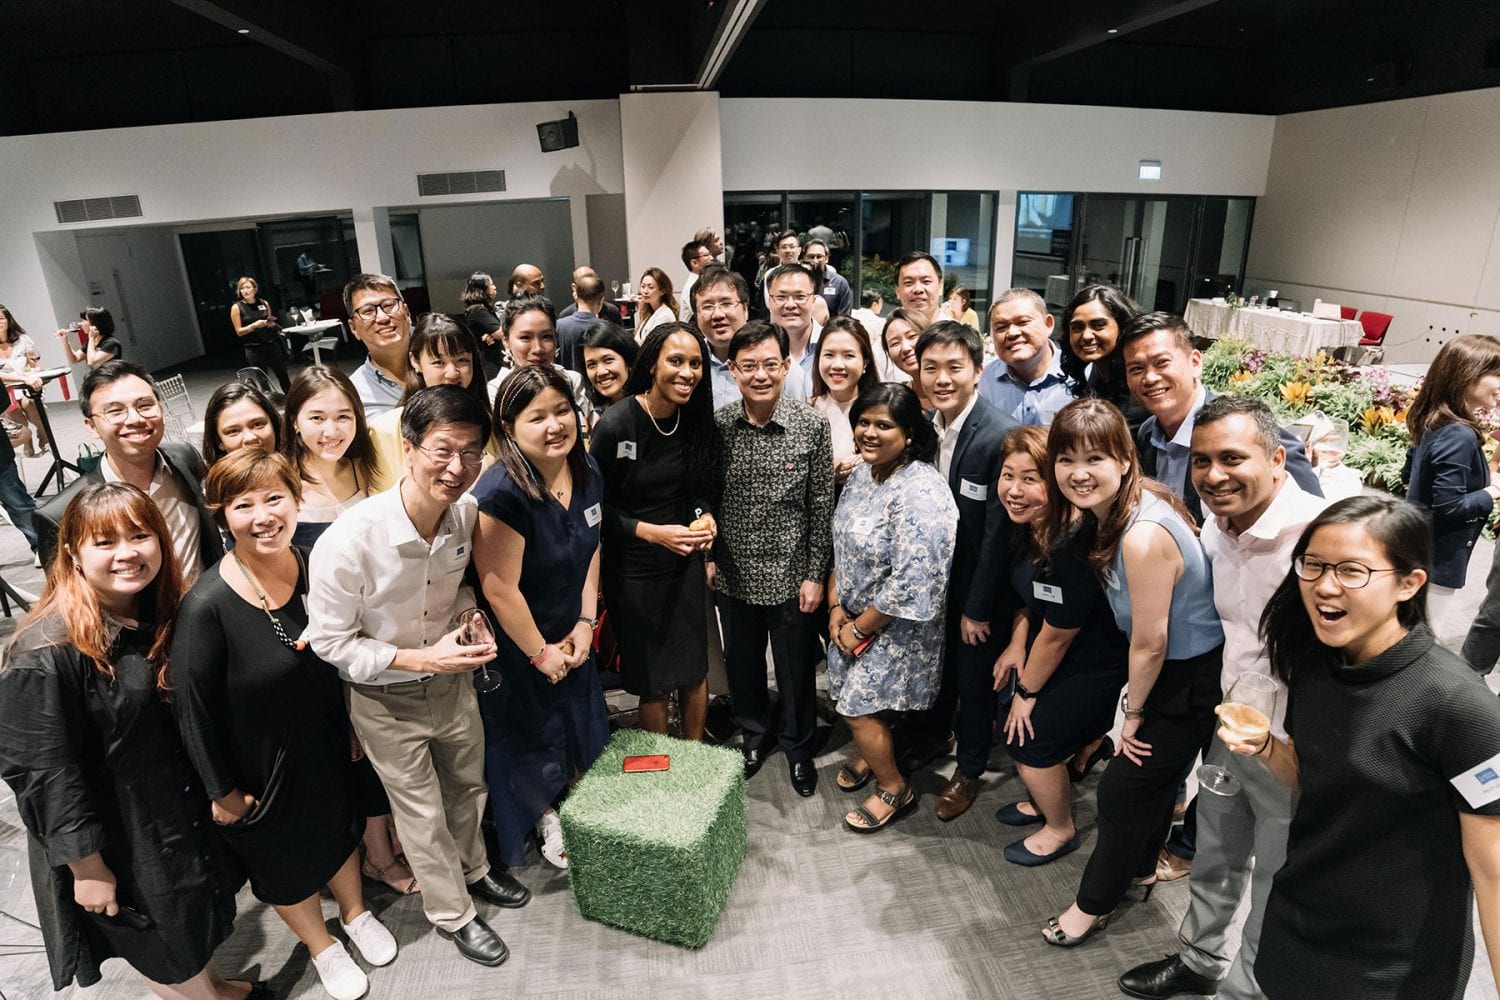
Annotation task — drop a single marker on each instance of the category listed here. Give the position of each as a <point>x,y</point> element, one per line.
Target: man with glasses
<point>1257,514</point>
<point>830,285</point>
<point>379,319</point>
<point>122,407</point>
<point>774,549</point>
<point>386,583</point>
<point>792,296</point>
<point>695,257</point>
<point>721,305</point>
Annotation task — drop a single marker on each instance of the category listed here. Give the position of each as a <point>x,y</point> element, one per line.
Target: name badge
<point>1479,785</point>
<point>1046,592</point>
<point>862,525</point>
<point>593,516</point>
<point>625,449</point>
<point>974,491</point>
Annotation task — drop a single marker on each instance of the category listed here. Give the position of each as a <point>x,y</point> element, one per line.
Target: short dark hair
<point>870,296</point>
<point>1222,407</point>
<point>756,331</point>
<point>518,307</point>
<point>690,252</point>
<point>913,256</point>
<point>368,282</point>
<point>109,373</point>
<point>782,270</point>
<point>435,334</point>
<point>906,410</point>
<point>442,404</point>
<point>100,319</point>
<point>1146,324</point>
<point>951,331</point>
<point>607,336</point>
<point>820,242</point>
<point>784,234</point>
<point>717,276</point>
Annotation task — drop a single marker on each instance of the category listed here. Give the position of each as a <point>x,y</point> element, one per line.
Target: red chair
<point>1347,312</point>
<point>1375,324</point>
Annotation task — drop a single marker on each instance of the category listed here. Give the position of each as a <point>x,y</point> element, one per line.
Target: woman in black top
<point>1091,357</point>
<point>609,354</point>
<point>100,345</point>
<point>483,319</point>
<point>1069,657</point>
<point>238,415</point>
<point>255,324</point>
<point>1395,745</point>
<point>655,451</point>
<point>124,860</point>
<point>264,723</point>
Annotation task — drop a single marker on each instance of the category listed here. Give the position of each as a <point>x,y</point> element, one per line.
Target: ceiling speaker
<point>561,134</point>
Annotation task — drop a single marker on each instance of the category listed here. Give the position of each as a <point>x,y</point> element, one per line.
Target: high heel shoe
<point>1053,933</point>
<point>1147,883</point>
<point>1104,751</point>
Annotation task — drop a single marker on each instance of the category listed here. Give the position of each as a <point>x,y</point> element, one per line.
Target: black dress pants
<point>967,701</point>
<point>1135,800</point>
<point>268,358</point>
<point>748,628</point>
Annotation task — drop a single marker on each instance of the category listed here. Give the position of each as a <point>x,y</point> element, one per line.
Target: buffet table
<point>1270,329</point>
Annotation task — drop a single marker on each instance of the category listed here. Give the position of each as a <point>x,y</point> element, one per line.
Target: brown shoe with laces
<point>957,797</point>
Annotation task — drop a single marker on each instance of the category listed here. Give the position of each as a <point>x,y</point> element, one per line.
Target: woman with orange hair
<point>124,860</point>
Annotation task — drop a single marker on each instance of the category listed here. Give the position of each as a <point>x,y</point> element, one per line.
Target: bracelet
<point>541,654</point>
<point>1022,691</point>
<point>593,622</point>
<point>859,633</point>
<point>1127,711</point>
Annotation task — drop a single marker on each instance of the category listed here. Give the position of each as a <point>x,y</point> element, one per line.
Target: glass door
<point>751,222</point>
<point>1141,245</point>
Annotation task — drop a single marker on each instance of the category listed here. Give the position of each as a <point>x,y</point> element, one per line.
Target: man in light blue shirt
<point>1025,381</point>
<point>379,319</point>
<point>721,305</point>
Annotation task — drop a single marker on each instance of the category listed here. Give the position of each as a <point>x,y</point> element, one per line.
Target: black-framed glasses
<point>1351,575</point>
<point>367,311</point>
<point>472,458</point>
<point>751,367</point>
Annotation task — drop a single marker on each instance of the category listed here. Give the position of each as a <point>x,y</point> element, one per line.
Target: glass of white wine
<point>476,630</point>
<point>1245,717</point>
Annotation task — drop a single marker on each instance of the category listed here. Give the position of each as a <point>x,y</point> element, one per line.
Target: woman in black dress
<point>483,319</point>
<point>655,450</point>
<point>1394,744</point>
<point>1091,357</point>
<point>609,354</point>
<point>536,550</point>
<point>255,324</point>
<point>264,723</point>
<point>124,861</point>
<point>1069,657</point>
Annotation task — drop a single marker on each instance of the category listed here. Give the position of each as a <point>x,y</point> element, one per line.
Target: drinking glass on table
<point>475,629</point>
<point>1245,716</point>
<point>614,286</point>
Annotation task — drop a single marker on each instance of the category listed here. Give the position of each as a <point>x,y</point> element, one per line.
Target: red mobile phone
<point>864,644</point>
<point>647,762</point>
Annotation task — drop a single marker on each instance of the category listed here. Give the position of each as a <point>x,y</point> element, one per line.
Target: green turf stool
<point>656,853</point>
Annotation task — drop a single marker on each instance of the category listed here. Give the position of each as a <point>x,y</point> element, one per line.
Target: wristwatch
<point>1127,711</point>
<point>592,622</point>
<point>1023,692</point>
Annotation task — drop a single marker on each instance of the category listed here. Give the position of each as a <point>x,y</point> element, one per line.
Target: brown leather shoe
<point>1169,867</point>
<point>957,797</point>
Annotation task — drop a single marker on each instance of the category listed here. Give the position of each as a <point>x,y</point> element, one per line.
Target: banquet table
<point>1270,330</point>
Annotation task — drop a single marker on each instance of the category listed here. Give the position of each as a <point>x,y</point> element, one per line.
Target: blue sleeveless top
<point>1193,627</point>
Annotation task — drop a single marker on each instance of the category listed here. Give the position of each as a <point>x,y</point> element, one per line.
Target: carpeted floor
<point>924,909</point>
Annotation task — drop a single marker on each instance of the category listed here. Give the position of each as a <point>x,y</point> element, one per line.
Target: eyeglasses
<point>784,298</point>
<point>751,367</point>
<point>1351,575</point>
<point>367,311</point>
<point>718,305</point>
<point>470,457</point>
<point>118,413</point>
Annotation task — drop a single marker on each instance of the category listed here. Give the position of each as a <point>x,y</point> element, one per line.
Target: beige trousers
<point>426,742</point>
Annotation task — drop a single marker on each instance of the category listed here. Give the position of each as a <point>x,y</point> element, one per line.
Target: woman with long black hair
<point>1091,358</point>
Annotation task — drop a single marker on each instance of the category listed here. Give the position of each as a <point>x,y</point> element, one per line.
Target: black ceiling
<point>88,64</point>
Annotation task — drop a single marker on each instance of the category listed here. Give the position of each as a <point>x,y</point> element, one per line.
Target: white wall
<point>142,284</point>
<point>1393,207</point>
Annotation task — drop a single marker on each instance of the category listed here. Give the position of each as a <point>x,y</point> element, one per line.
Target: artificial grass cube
<point>656,853</point>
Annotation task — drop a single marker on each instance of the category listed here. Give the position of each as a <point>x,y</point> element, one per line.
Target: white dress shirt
<point>948,436</point>
<point>376,586</point>
<point>1248,567</point>
<point>175,501</point>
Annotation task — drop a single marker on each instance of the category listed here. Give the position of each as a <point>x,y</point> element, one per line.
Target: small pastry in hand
<point>699,524</point>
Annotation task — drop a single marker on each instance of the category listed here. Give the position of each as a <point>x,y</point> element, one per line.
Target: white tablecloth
<point>1294,333</point>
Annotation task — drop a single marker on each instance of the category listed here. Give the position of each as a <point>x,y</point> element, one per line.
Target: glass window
<point>751,222</point>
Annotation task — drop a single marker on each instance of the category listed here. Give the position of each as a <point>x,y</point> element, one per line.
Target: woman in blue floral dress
<point>893,538</point>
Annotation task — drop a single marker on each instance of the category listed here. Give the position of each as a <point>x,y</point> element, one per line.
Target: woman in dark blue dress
<point>536,550</point>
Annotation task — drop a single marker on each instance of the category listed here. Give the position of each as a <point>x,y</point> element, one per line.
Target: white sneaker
<point>549,828</point>
<point>341,977</point>
<point>376,944</point>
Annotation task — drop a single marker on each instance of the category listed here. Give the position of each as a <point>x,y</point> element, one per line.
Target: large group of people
<point>360,623</point>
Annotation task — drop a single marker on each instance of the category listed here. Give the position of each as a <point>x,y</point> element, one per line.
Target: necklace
<point>265,605</point>
<point>675,424</point>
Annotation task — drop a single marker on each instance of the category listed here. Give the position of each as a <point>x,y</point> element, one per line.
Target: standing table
<point>58,462</point>
<point>313,332</point>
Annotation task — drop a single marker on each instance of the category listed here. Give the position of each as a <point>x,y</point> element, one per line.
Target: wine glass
<point>614,286</point>
<point>475,630</point>
<point>1245,716</point>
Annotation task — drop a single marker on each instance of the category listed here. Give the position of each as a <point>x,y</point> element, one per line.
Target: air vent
<point>122,206</point>
<point>463,182</point>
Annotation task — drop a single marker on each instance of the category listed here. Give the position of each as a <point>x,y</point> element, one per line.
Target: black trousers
<point>748,628</point>
<point>1135,800</point>
<point>967,701</point>
<point>268,358</point>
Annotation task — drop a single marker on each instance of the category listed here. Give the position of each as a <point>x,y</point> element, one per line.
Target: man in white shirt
<point>695,257</point>
<point>1257,513</point>
<point>868,314</point>
<point>385,583</point>
<point>919,286</point>
<point>379,319</point>
<point>790,289</point>
<point>1025,381</point>
<point>531,339</point>
<point>709,237</point>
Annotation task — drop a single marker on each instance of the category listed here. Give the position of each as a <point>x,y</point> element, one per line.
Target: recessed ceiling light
<point>243,31</point>
<point>1113,31</point>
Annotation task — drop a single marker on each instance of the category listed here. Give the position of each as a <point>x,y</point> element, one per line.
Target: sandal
<point>850,780</point>
<point>1055,935</point>
<point>1104,751</point>
<point>902,803</point>
<point>368,869</point>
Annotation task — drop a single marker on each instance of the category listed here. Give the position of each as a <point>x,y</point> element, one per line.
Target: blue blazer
<point>1297,465</point>
<point>1446,473</point>
<point>981,556</point>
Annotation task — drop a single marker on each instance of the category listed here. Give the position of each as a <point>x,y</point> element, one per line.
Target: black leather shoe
<point>499,888</point>
<point>478,943</point>
<point>804,777</point>
<point>1166,978</point>
<point>754,760</point>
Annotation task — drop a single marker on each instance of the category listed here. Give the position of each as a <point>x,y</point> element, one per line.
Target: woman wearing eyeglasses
<point>255,325</point>
<point>1395,746</point>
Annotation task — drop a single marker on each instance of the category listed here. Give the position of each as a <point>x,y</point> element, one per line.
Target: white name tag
<point>1479,785</point>
<point>626,449</point>
<point>1046,592</point>
<point>974,491</point>
<point>593,516</point>
<point>862,525</point>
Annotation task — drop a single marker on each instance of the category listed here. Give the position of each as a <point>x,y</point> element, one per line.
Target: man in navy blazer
<point>1163,371</point>
<point>950,356</point>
